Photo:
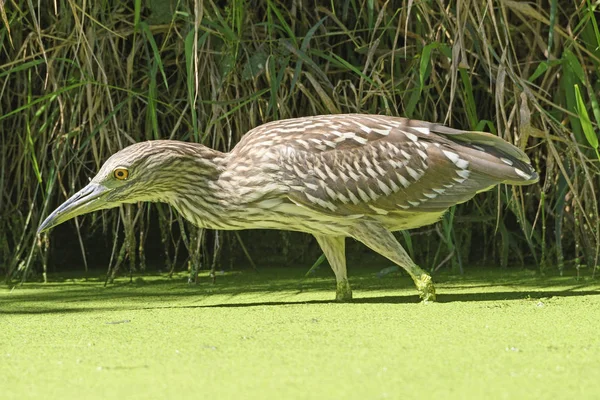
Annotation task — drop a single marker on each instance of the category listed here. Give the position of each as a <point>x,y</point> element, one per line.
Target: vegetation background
<point>81,79</point>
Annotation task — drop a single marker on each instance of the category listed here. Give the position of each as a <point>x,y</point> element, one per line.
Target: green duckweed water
<point>277,335</point>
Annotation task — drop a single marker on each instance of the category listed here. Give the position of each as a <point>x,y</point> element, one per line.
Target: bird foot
<point>425,288</point>
<point>343,291</point>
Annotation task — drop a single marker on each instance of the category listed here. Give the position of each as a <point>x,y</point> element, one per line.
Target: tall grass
<point>80,80</point>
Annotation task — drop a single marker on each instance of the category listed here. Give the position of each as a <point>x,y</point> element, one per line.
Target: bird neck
<point>199,196</point>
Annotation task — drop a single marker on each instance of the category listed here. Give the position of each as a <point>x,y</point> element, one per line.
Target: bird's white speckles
<point>370,118</point>
<point>294,123</point>
<point>405,154</point>
<point>272,187</point>
<point>413,203</point>
<point>359,139</point>
<point>353,175</point>
<point>392,149</point>
<point>424,144</point>
<point>343,198</point>
<point>372,172</point>
<point>313,126</point>
<point>396,164</point>
<point>331,192</point>
<point>462,163</point>
<point>330,173</point>
<point>422,154</point>
<point>463,173</point>
<point>439,191</point>
<point>353,197</point>
<point>430,195</point>
<point>403,181</point>
<point>478,147</point>
<point>384,188</point>
<point>320,173</point>
<point>329,143</point>
<point>348,135</point>
<point>303,143</point>
<point>378,210</point>
<point>411,136</point>
<point>374,196</point>
<point>424,130</point>
<point>311,186</point>
<point>378,168</point>
<point>288,151</point>
<point>449,186</point>
<point>522,174</point>
<point>271,166</point>
<point>365,197</point>
<point>459,180</point>
<point>383,132</point>
<point>273,130</point>
<point>403,206</point>
<point>414,174</point>
<point>455,158</point>
<point>451,156</point>
<point>342,175</point>
<point>364,128</point>
<point>320,202</point>
<point>395,188</point>
<point>506,161</point>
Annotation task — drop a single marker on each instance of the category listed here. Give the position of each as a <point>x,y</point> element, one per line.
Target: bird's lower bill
<point>90,198</point>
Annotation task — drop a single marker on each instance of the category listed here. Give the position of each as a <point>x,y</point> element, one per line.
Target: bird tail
<point>492,156</point>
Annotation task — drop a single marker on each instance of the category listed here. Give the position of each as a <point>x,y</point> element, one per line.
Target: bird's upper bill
<point>88,199</point>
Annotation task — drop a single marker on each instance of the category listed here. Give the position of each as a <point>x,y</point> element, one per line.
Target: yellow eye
<point>121,174</point>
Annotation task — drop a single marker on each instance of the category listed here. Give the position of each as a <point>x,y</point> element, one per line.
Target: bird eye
<point>121,173</point>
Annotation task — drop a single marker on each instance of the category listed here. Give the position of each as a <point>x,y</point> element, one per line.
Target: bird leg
<point>334,248</point>
<point>379,239</point>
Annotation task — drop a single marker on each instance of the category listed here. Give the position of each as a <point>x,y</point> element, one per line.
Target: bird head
<point>141,172</point>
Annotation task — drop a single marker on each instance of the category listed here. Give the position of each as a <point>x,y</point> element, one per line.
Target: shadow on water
<point>408,299</point>
<point>157,292</point>
<point>403,299</point>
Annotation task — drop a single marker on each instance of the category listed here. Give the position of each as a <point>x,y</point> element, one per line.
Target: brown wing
<point>371,164</point>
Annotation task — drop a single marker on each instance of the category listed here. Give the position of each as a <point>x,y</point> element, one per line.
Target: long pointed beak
<point>88,199</point>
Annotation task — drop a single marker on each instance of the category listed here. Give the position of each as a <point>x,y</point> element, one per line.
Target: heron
<point>332,176</point>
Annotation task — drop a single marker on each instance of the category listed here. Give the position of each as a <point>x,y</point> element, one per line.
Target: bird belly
<point>401,220</point>
<point>293,217</point>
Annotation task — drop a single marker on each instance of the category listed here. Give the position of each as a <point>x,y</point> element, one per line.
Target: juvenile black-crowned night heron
<point>333,176</point>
